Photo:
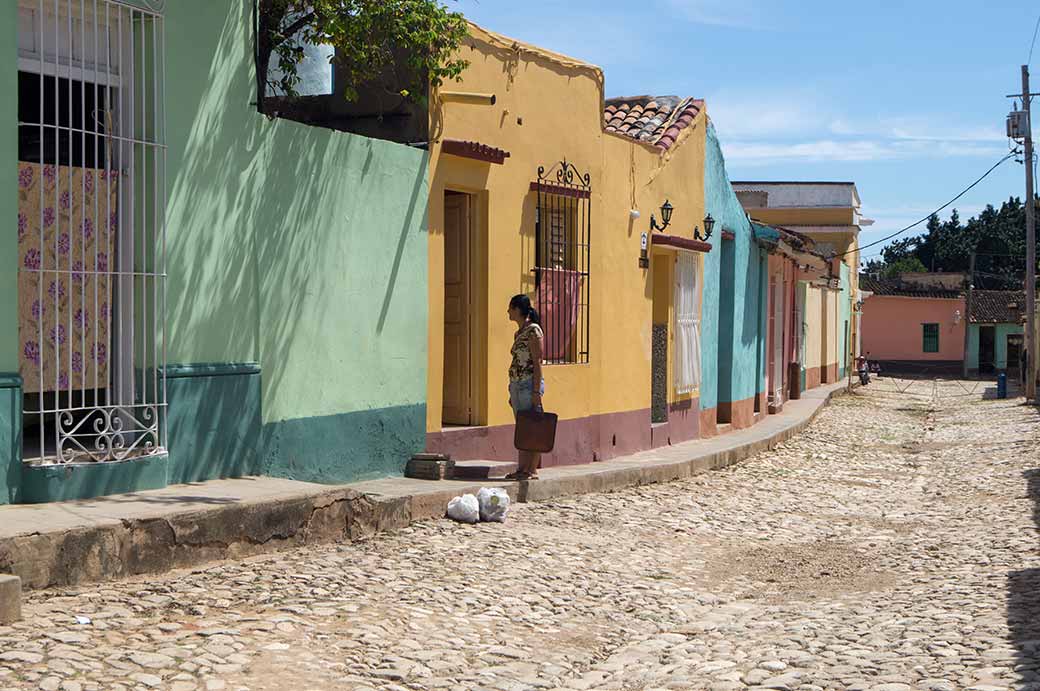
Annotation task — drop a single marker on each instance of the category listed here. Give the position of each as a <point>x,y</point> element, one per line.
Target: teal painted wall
<point>1000,351</point>
<point>49,483</point>
<point>299,248</point>
<point>213,422</point>
<point>10,384</point>
<point>739,292</point>
<point>8,187</point>
<point>844,321</point>
<point>10,438</point>
<point>715,182</point>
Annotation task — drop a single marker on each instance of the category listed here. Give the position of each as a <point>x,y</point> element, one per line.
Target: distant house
<point>913,326</point>
<point>995,333</point>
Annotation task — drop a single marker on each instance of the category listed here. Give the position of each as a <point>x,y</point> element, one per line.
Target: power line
<point>917,223</point>
<point>1033,44</point>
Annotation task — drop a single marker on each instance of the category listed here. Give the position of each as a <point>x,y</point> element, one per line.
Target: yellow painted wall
<point>820,216</point>
<point>814,332</point>
<point>834,327</point>
<point>547,107</point>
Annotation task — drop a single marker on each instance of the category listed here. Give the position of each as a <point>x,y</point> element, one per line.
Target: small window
<point>931,338</point>
<point>563,230</point>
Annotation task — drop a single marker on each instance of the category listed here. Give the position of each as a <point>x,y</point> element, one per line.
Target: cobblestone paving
<point>893,546</point>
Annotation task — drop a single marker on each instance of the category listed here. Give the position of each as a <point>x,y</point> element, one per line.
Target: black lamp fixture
<point>709,226</point>
<point>666,216</point>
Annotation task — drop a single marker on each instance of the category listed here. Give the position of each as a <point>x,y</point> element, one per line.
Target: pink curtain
<point>559,299</point>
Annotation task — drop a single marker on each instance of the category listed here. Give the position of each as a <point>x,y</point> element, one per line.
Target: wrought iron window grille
<point>92,229</point>
<point>562,277</point>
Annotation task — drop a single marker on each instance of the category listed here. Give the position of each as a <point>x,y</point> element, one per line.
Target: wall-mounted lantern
<point>709,226</point>
<point>666,217</point>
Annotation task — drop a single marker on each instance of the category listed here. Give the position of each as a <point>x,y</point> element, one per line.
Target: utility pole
<point>1030,335</point>
<point>967,314</point>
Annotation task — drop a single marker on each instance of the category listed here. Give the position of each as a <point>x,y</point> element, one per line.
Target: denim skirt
<point>521,394</point>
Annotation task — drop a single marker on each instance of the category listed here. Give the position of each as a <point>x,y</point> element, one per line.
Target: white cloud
<point>858,150</point>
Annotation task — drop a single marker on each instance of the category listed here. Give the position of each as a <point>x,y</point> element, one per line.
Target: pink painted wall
<point>892,328</point>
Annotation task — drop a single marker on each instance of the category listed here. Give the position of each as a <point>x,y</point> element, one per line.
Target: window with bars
<point>687,353</point>
<point>930,336</point>
<point>563,228</point>
<point>91,229</point>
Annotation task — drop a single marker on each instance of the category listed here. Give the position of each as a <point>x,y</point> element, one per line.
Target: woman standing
<point>526,385</point>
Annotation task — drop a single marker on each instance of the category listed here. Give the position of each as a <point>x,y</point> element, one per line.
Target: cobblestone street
<point>893,546</point>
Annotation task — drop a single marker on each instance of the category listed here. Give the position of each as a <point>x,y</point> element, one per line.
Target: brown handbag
<point>535,431</point>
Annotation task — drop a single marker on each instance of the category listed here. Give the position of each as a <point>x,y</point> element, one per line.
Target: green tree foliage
<point>996,235</point>
<point>369,36</point>
<point>903,265</point>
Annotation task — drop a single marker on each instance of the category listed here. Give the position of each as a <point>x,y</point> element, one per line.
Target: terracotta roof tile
<point>894,287</point>
<point>655,119</point>
<point>998,306</point>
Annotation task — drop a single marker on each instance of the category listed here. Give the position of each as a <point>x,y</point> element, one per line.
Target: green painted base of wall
<point>343,448</point>
<point>10,438</point>
<point>213,421</point>
<point>805,378</point>
<point>85,481</point>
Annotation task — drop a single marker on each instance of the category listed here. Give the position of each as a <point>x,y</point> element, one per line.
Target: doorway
<point>1014,355</point>
<point>662,293</point>
<point>458,310</point>
<point>987,349</point>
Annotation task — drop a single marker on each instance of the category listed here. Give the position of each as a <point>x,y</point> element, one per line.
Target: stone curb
<point>10,599</point>
<point>119,548</point>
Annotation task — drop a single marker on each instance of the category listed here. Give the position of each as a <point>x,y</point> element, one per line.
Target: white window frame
<point>687,355</point>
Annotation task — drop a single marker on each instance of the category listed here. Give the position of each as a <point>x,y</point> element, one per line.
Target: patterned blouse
<point>523,365</point>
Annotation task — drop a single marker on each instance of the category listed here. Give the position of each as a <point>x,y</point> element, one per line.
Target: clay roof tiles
<point>894,287</point>
<point>998,306</point>
<point>657,120</point>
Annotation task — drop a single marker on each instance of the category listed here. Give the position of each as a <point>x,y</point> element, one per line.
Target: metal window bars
<point>92,229</point>
<point>563,231</point>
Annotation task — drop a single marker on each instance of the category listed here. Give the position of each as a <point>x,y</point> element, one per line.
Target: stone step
<point>482,470</point>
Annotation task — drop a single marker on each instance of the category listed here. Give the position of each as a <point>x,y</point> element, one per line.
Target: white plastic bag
<point>465,509</point>
<point>494,504</point>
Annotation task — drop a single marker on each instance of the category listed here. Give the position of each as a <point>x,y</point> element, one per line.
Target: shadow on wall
<point>286,244</point>
<point>1023,606</point>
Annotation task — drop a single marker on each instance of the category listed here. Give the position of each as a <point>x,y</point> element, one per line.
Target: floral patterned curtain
<point>64,279</point>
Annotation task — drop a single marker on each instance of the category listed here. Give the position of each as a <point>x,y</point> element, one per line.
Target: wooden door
<point>777,360</point>
<point>457,408</point>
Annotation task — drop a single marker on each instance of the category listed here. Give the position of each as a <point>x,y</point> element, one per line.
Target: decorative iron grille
<point>91,229</point>
<point>563,230</point>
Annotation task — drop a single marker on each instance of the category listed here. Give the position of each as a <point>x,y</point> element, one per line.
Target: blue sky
<point>906,99</point>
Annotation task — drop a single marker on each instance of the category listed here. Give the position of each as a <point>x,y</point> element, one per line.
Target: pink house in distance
<point>913,326</point>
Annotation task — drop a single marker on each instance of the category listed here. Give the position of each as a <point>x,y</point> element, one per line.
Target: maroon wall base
<point>709,423</point>
<point>684,423</point>
<point>813,377</point>
<point>739,414</point>
<point>585,440</point>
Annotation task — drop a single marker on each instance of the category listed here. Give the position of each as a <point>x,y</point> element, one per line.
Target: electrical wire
<point>917,223</point>
<point>1033,44</point>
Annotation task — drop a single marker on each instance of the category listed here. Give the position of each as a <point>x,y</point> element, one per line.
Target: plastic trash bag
<point>464,509</point>
<point>494,504</point>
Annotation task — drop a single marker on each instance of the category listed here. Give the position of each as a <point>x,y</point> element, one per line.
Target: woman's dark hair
<point>523,303</point>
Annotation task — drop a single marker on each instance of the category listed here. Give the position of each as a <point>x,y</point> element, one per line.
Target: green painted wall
<point>298,248</point>
<point>1000,350</point>
<point>8,188</point>
<point>213,422</point>
<point>844,321</point>
<point>10,438</point>
<point>49,483</point>
<point>10,383</point>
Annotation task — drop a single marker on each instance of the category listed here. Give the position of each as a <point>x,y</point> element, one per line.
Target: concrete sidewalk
<point>181,526</point>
